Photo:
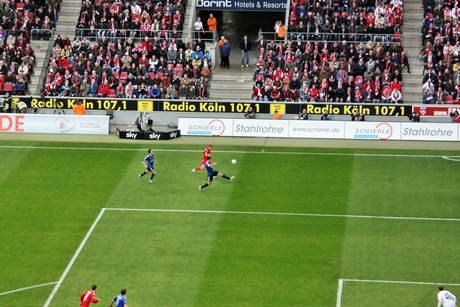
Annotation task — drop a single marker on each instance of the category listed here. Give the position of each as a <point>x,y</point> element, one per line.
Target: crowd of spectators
<point>115,54</point>
<point>348,20</point>
<point>153,68</point>
<point>346,51</point>
<point>441,52</point>
<point>136,19</point>
<point>20,22</point>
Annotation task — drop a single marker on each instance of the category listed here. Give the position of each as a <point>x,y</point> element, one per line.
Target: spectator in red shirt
<point>103,89</point>
<point>88,297</point>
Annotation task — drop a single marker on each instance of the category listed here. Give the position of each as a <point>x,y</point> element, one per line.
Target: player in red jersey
<point>206,154</point>
<point>88,297</point>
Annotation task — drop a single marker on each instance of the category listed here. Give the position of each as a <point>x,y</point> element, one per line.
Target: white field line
<point>342,281</point>
<point>339,293</point>
<point>28,288</point>
<point>233,151</point>
<point>291,214</point>
<point>451,158</point>
<point>72,261</point>
<point>400,282</point>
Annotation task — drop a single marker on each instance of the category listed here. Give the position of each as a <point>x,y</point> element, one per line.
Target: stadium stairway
<point>234,83</point>
<point>411,40</point>
<point>66,24</point>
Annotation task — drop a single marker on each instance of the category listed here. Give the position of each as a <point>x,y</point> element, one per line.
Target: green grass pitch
<point>297,226</point>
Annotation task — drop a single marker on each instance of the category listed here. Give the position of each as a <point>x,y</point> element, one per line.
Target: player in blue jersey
<point>212,174</point>
<point>148,165</point>
<point>120,299</point>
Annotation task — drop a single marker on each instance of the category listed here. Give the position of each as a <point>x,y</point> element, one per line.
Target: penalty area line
<point>290,214</point>
<point>400,282</point>
<point>74,258</point>
<point>451,158</point>
<point>28,288</point>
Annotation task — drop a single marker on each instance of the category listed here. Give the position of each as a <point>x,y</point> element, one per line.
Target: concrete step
<point>232,78</point>
<point>231,86</point>
<point>230,95</point>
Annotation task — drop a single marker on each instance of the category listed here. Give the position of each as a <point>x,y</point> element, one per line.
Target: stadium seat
<point>8,87</point>
<point>359,79</point>
<point>116,75</point>
<point>20,5</point>
<point>448,99</point>
<point>123,76</point>
<point>112,93</point>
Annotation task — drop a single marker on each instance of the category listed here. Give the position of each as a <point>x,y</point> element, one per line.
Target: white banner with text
<point>320,129</point>
<point>46,123</point>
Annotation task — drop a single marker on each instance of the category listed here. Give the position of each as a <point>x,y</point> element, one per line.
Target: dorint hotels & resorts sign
<point>242,5</point>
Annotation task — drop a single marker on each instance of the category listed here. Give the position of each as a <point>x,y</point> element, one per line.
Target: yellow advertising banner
<point>280,107</point>
<point>145,105</point>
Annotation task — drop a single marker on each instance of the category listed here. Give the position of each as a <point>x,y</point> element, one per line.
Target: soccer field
<point>297,226</point>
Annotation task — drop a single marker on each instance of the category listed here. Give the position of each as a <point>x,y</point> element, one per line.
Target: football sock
<point>142,175</point>
<point>151,177</point>
<point>226,177</point>
<point>198,169</point>
<point>204,185</point>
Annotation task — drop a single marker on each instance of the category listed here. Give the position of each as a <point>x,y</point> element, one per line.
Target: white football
<point>233,161</point>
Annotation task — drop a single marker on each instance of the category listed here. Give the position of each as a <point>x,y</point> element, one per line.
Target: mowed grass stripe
<point>158,257</point>
<point>275,258</point>
<point>395,294</point>
<point>266,150</point>
<point>47,206</point>
<point>396,249</point>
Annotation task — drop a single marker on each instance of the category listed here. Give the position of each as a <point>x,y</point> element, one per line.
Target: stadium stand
<point>136,47</point>
<point>441,52</point>
<point>347,51</point>
<point>21,22</point>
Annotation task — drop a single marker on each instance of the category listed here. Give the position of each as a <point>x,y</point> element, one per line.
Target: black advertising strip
<point>157,135</point>
<point>206,106</point>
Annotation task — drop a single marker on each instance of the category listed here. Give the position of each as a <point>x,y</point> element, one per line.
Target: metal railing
<point>135,34</point>
<point>354,38</point>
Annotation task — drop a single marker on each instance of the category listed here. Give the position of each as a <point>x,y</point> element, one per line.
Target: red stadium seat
<point>8,87</point>
<point>123,76</point>
<point>359,79</point>
<point>116,75</point>
<point>112,93</point>
<point>20,5</point>
<point>152,74</point>
<point>448,99</point>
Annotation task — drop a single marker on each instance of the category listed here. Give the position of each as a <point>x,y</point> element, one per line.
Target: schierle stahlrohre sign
<point>242,5</point>
<point>209,106</point>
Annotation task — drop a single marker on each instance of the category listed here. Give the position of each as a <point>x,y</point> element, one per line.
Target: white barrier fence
<point>46,123</point>
<point>320,129</point>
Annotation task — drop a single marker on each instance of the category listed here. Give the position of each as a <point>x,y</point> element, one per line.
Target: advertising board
<point>261,128</point>
<point>210,106</point>
<point>372,130</point>
<point>43,123</point>
<point>152,135</point>
<point>316,129</point>
<point>320,129</point>
<point>242,5</point>
<point>206,126</point>
<point>430,132</point>
<point>436,110</point>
